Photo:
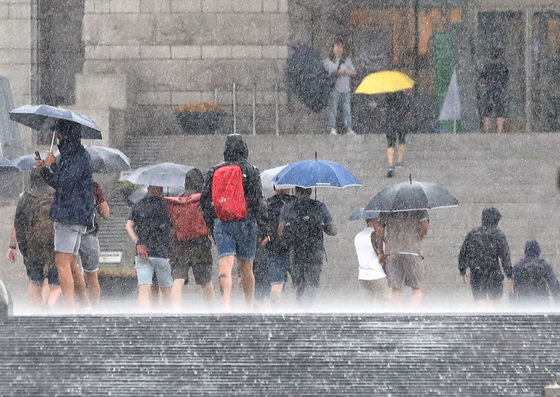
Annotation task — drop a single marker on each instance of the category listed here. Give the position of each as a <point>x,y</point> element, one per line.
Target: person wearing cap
<point>369,249</point>
<point>72,208</point>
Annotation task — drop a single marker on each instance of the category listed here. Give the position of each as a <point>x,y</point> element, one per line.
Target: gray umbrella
<point>412,195</point>
<point>106,160</point>
<point>162,174</point>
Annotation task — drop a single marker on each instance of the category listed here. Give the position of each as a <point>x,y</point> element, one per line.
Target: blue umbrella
<point>42,117</point>
<point>27,161</point>
<point>316,173</point>
<point>7,165</point>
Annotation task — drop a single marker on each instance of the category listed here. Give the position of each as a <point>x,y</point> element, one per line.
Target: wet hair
<point>305,191</point>
<point>344,53</point>
<point>497,53</point>
<point>194,180</point>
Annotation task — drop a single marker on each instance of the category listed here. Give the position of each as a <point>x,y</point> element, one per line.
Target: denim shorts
<point>67,238</point>
<point>237,238</point>
<point>88,256</point>
<point>279,266</point>
<point>145,271</point>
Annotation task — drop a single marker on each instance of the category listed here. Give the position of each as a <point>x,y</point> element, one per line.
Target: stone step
<point>330,354</point>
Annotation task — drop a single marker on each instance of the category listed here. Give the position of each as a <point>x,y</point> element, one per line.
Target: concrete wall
<point>17,46</point>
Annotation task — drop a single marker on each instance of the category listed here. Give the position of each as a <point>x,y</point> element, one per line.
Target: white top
<point>370,268</point>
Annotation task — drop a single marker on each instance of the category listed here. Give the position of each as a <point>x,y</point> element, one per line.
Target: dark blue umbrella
<point>412,195</point>
<point>316,173</point>
<point>42,117</point>
<point>308,78</point>
<point>361,213</point>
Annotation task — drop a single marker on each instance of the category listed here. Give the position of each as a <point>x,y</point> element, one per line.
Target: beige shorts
<point>404,269</point>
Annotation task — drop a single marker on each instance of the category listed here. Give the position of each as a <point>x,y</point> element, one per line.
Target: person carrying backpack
<point>232,204</point>
<point>190,245</point>
<point>302,222</point>
<point>33,233</point>
<point>534,281</point>
<point>482,251</point>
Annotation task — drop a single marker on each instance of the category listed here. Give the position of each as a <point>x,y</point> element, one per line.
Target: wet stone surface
<point>323,354</point>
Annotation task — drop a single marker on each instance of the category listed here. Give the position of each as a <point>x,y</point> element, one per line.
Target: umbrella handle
<point>52,140</point>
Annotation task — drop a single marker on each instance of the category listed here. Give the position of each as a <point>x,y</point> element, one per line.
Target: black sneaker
<point>391,172</point>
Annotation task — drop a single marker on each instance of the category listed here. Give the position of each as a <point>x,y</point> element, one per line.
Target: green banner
<point>444,61</point>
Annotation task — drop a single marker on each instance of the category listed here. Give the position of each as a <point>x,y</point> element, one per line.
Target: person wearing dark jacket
<point>72,208</point>
<point>534,281</point>
<point>235,237</point>
<point>481,253</point>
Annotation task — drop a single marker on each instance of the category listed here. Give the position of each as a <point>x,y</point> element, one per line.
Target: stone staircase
<point>290,354</point>
<point>514,172</point>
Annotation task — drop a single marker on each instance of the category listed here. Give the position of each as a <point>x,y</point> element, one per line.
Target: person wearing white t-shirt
<point>371,276</point>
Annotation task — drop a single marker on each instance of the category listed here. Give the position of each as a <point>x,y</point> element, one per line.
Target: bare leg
<point>247,281</point>
<point>225,264</point>
<point>177,292</point>
<point>416,298</point>
<point>276,292</point>
<point>63,265</point>
<point>79,283</point>
<point>390,155</point>
<point>400,155</point>
<point>54,295</point>
<point>396,297</point>
<point>35,294</point>
<point>144,296</point>
<point>486,125</point>
<point>208,292</point>
<point>500,125</point>
<point>165,293</point>
<point>93,288</point>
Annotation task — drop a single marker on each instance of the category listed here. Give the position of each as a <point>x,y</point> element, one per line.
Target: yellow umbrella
<point>383,82</point>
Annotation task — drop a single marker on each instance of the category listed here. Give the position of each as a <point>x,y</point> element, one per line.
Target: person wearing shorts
<point>72,208</point>
<point>238,238</point>
<point>149,227</point>
<point>191,254</point>
<point>403,233</point>
<point>495,75</point>
<point>88,254</point>
<point>397,111</point>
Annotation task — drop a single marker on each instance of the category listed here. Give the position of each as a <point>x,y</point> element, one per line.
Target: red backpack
<point>186,215</point>
<point>228,195</point>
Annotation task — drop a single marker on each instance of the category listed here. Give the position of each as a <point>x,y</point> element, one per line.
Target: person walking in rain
<point>495,75</point>
<point>303,222</point>
<point>340,65</point>
<point>33,234</point>
<point>483,249</point>
<point>397,114</point>
<point>369,250</point>
<point>72,208</point>
<point>232,204</point>
<point>149,227</point>
<point>534,282</point>
<point>88,254</point>
<point>403,233</point>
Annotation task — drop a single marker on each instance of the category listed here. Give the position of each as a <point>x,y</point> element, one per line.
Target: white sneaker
<point>333,131</point>
<point>351,132</point>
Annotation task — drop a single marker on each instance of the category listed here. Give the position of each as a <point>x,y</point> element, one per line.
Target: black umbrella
<point>308,78</point>
<point>412,195</point>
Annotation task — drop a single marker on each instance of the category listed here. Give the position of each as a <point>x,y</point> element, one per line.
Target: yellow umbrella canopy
<point>384,82</point>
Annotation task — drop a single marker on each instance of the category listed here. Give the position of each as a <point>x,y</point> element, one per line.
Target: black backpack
<point>304,227</point>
